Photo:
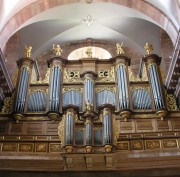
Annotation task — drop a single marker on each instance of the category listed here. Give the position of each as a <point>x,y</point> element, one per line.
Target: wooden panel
<point>162,125</point>
<point>16,129</point>
<point>3,128</point>
<point>176,124</point>
<point>144,125</point>
<point>52,128</point>
<point>126,127</point>
<point>35,128</point>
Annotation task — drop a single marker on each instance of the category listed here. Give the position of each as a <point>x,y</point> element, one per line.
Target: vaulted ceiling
<point>42,23</point>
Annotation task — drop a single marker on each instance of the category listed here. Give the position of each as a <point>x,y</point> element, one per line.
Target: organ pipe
<point>25,66</point>
<point>152,62</point>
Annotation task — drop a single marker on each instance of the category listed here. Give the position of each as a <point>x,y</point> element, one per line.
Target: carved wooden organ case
<point>89,97</point>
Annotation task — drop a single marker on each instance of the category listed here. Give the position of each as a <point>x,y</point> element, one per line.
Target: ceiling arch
<point>40,6</point>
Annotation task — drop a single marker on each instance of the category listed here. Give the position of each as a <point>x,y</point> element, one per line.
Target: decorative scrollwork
<point>106,75</point>
<point>133,88</point>
<point>111,89</point>
<point>115,130</point>
<point>171,102</point>
<point>6,109</point>
<point>65,89</point>
<point>71,76</point>
<point>41,81</point>
<point>136,78</point>
<point>61,130</point>
<point>38,90</point>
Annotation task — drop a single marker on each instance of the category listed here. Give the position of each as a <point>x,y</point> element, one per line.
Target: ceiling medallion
<point>89,21</point>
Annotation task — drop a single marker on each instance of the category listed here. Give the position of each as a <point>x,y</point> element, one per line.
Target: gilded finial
<point>28,51</point>
<point>149,48</point>
<point>89,52</point>
<point>57,49</point>
<point>119,48</point>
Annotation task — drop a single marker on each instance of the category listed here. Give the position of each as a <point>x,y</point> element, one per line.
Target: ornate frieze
<point>41,81</point>
<point>106,75</point>
<point>71,76</point>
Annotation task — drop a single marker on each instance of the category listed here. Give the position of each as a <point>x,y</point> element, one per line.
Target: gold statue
<point>57,49</point>
<point>149,48</point>
<point>89,52</point>
<point>28,51</point>
<point>119,49</point>
<point>88,107</point>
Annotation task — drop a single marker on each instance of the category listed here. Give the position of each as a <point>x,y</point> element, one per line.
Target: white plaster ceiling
<point>64,24</point>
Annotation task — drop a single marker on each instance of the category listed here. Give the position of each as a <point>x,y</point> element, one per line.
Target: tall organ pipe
<point>55,89</point>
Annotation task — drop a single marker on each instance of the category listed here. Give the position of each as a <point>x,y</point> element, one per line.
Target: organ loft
<point>89,114</point>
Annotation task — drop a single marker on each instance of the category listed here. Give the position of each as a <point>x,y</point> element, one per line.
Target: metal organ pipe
<point>55,88</point>
<point>22,90</point>
<point>69,129</point>
<point>88,133</point>
<point>107,128</point>
<point>122,87</point>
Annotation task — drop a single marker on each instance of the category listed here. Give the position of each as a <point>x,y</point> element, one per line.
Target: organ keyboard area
<point>89,96</point>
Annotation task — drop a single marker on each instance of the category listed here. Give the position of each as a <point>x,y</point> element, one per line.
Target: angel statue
<point>119,48</point>
<point>149,48</point>
<point>28,51</point>
<point>88,107</point>
<point>89,52</point>
<point>57,49</point>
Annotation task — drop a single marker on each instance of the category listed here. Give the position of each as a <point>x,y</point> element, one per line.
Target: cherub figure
<point>149,48</point>
<point>88,107</point>
<point>28,51</point>
<point>89,52</point>
<point>57,49</point>
<point>119,49</point>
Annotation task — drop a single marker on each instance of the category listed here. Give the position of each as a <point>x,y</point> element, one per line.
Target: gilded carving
<point>6,109</point>
<point>28,51</point>
<point>148,47</point>
<point>119,48</point>
<point>111,89</point>
<point>145,116</point>
<point>137,145</point>
<point>9,147</point>
<point>71,76</point>
<point>61,130</point>
<point>169,143</point>
<point>57,49</point>
<point>106,75</point>
<point>65,89</point>
<point>153,144</point>
<point>41,147</point>
<point>38,90</point>
<point>136,78</point>
<point>25,147</point>
<point>55,147</point>
<point>133,88</point>
<point>123,145</point>
<point>41,81</point>
<point>115,130</point>
<point>171,102</point>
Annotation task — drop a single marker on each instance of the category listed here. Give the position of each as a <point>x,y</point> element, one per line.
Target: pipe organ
<point>88,98</point>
